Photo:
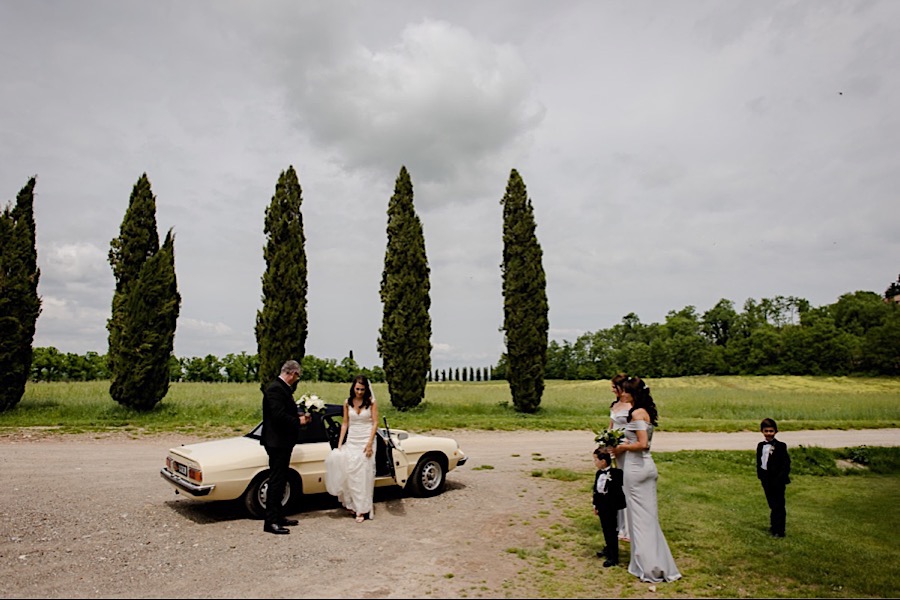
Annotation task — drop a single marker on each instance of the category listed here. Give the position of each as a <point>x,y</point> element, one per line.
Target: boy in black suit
<point>773,467</point>
<point>608,500</point>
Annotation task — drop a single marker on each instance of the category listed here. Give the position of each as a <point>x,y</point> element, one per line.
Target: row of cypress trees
<point>146,302</point>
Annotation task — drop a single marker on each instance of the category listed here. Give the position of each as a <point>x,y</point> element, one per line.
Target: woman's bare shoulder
<point>640,413</point>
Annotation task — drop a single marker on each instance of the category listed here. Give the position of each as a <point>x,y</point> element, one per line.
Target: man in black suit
<point>773,467</point>
<point>281,428</point>
<point>609,499</point>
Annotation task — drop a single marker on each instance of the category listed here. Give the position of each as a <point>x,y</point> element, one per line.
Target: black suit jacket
<point>614,498</point>
<point>281,425</point>
<point>779,465</point>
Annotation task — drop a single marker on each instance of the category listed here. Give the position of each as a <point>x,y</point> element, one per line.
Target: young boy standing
<point>773,467</point>
<point>608,500</point>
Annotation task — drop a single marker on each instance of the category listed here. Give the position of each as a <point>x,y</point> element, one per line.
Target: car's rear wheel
<point>429,477</point>
<point>257,494</point>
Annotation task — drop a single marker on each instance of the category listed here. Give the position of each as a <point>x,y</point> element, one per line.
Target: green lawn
<point>840,536</point>
<point>685,404</point>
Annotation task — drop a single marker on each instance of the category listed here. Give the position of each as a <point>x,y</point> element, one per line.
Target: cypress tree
<point>145,305</point>
<point>148,333</point>
<point>281,324</point>
<point>404,341</point>
<point>20,304</point>
<point>525,308</point>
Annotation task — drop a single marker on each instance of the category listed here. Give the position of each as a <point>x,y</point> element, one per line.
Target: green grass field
<point>685,404</point>
<point>840,536</point>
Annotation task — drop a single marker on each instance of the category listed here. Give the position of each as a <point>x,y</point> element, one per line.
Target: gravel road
<point>87,516</point>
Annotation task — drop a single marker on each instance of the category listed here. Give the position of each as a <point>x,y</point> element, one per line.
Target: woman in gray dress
<point>618,419</point>
<point>651,559</point>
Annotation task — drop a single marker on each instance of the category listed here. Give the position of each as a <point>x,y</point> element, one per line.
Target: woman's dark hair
<point>367,397</point>
<point>617,381</point>
<point>640,394</point>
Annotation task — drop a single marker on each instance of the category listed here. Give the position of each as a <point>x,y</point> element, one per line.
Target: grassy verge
<point>686,404</point>
<point>839,543</point>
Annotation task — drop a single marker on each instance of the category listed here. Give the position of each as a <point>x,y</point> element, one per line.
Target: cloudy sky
<point>675,154</point>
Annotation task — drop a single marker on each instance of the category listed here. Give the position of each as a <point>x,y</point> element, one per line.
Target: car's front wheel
<point>257,494</point>
<point>429,477</point>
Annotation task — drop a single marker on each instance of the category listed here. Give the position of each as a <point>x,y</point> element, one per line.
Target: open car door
<point>395,461</point>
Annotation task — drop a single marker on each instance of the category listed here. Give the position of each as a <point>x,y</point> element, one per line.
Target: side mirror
<point>402,435</point>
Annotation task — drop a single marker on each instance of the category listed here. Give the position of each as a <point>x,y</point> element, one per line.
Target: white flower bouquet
<point>609,438</point>
<point>310,403</point>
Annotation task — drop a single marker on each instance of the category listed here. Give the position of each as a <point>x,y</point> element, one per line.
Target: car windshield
<point>316,431</point>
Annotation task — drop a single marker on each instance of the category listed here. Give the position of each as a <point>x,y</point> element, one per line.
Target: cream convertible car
<point>238,467</point>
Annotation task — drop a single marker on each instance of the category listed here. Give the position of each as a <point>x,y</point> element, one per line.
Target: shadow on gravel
<point>391,499</point>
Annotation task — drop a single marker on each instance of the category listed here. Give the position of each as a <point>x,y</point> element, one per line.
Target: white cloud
<point>675,155</point>
<point>440,101</point>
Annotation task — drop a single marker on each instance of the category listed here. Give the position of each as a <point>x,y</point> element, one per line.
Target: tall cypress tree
<point>145,305</point>
<point>404,341</point>
<point>20,304</point>
<point>525,308</point>
<point>148,333</point>
<point>281,324</point>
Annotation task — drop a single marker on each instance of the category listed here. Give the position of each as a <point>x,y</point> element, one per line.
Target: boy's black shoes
<point>601,553</point>
<point>609,563</point>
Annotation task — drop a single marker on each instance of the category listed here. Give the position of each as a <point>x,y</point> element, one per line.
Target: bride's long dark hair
<point>640,394</point>
<point>367,397</point>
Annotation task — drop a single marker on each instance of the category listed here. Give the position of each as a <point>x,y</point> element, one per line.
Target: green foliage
<point>858,334</point>
<point>145,305</point>
<point>404,340</point>
<point>525,308</point>
<point>148,333</point>
<point>49,364</point>
<point>812,460</point>
<point>893,290</point>
<point>876,459</point>
<point>20,304</point>
<point>281,324</point>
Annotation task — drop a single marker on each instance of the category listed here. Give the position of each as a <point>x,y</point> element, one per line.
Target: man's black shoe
<point>275,528</point>
<point>288,522</point>
<point>609,563</point>
<point>601,553</point>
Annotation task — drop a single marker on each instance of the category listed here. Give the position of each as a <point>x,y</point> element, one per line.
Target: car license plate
<point>182,469</point>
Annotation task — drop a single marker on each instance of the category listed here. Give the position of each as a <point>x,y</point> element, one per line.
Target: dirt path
<point>88,517</point>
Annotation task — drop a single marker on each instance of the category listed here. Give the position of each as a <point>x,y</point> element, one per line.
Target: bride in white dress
<point>651,559</point>
<point>357,453</point>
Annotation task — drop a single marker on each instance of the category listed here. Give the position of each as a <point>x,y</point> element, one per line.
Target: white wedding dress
<point>358,486</point>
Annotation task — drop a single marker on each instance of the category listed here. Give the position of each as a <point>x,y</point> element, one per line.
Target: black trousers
<point>609,523</point>
<point>775,497</point>
<point>279,465</point>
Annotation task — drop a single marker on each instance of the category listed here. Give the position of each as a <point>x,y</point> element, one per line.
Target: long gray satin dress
<point>651,559</point>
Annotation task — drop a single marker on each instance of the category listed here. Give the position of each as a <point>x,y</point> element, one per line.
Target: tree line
<point>146,303</point>
<point>784,335</point>
<point>49,364</point>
